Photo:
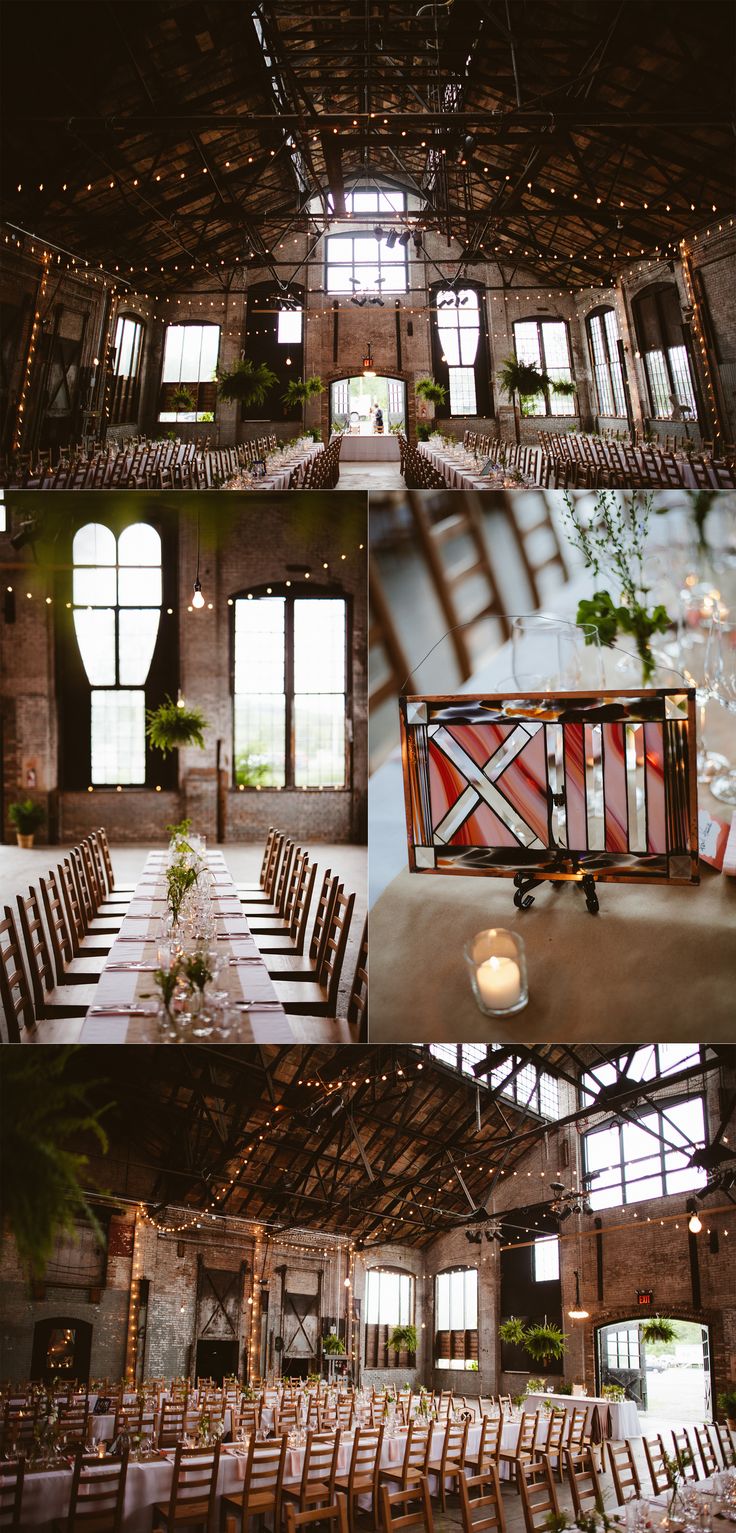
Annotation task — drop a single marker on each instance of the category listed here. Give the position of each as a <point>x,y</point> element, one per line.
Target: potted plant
<point>183,401</point>
<point>545,1343</point>
<point>428,388</point>
<point>299,391</point>
<point>658,1329</point>
<point>727,1403</point>
<point>26,816</point>
<point>522,380</point>
<point>512,1332</point>
<point>403,1338</point>
<point>246,383</point>
<point>333,1345</point>
<point>173,725</point>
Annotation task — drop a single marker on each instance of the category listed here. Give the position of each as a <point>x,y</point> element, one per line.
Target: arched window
<point>290,684</point>
<point>126,368</point>
<point>366,264</point>
<point>389,1301</point>
<point>458,327</point>
<point>605,355</point>
<point>545,342</point>
<point>659,331</point>
<point>116,603</point>
<point>190,360</point>
<point>456,1318</point>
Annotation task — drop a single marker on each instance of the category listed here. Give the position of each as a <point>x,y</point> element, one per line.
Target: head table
<point>663,957</point>
<point>124,1006</point>
<point>617,1419</point>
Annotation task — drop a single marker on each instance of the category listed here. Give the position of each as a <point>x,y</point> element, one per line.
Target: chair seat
<point>437,1467</point>
<point>302,996</point>
<point>92,949</point>
<point>361,1483</point>
<point>261,1501</point>
<point>268,924</point>
<point>396,1473</point>
<point>315,1491</point>
<point>189,1511</point>
<point>68,1000</point>
<point>82,971</point>
<point>99,928</point>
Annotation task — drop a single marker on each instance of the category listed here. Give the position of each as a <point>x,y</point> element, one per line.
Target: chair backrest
<point>171,1425</point>
<point>98,863</point>
<point>36,944</point>
<point>274,863</point>
<point>12,1473</point>
<point>685,1456</point>
<point>266,863</point>
<point>538,1494</point>
<point>458,521</point>
<point>320,1459</point>
<point>584,1482</point>
<point>333,955</point>
<point>528,1429</point>
<point>410,1507</point>
<point>556,1425</point>
<point>576,1435</point>
<point>99,837</point>
<point>72,904</point>
<point>98,1493</point>
<point>358,999</point>
<point>625,1475</point>
<point>383,636</point>
<point>282,882</point>
<point>15,991</point>
<point>481,1504</point>
<point>322,916</point>
<point>56,921</point>
<point>654,1453</point>
<point>85,898</point>
<point>417,1450</point>
<point>195,1479</point>
<point>491,1440</point>
<point>264,1471</point>
<point>93,877</point>
<point>296,878</point>
<point>335,1517</point>
<point>708,1458</point>
<point>366,1454</point>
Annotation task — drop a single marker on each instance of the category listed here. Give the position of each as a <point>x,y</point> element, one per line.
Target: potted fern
<point>658,1330</point>
<point>26,816</point>
<point>432,392</point>
<point>333,1345</point>
<point>545,1343</point>
<point>521,380</point>
<point>183,401</point>
<point>299,391</point>
<point>403,1338</point>
<point>173,725</point>
<point>246,383</point>
<point>727,1403</point>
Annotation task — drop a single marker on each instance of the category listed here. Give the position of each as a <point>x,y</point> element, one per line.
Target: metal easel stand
<point>525,882</point>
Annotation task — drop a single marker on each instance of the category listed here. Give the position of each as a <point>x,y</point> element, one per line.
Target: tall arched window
<point>116,601</point>
<point>458,327</point>
<point>190,360</point>
<point>389,1301</point>
<point>661,340</point>
<point>126,368</point>
<point>604,342</point>
<point>545,342</point>
<point>456,1318</point>
<point>290,686</point>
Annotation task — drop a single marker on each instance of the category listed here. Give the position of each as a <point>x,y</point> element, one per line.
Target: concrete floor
<point>370,476</point>
<point>19,869</point>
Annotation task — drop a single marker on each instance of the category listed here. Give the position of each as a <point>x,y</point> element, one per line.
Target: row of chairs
<point>136,462</point>
<point>417,471</point>
<point>645,466</point>
<point>322,470</point>
<point>306,979</point>
<point>51,955</point>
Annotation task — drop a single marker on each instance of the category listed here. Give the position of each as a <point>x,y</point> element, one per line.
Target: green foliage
<point>333,1346</point>
<point>198,971</point>
<point>172,725</point>
<point>564,387</point>
<point>300,390</point>
<point>613,1392</point>
<point>403,1338</point>
<point>26,815</point>
<point>522,378</point>
<point>179,831</point>
<point>512,1332</point>
<point>613,543</point>
<point>166,981</point>
<point>183,401</point>
<point>658,1329</point>
<point>206,416</point>
<point>601,613</point>
<point>424,431</point>
<point>727,1401</point>
<point>246,383</point>
<point>564,1389</point>
<point>435,393</point>
<point>251,771</point>
<point>534,1385</point>
<point>545,1343</point>
<point>43,1113</point>
<point>180,878</point>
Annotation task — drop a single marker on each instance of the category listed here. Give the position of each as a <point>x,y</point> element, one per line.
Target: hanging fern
<point>173,725</point>
<point>246,382</point>
<point>512,1332</point>
<point>333,1346</point>
<point>545,1343</point>
<point>182,401</point>
<point>658,1329</point>
<point>435,393</point>
<point>300,390</point>
<point>522,378</point>
<point>42,1113</point>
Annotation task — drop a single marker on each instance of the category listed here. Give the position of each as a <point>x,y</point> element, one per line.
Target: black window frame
<point>540,320</point>
<point>610,363</point>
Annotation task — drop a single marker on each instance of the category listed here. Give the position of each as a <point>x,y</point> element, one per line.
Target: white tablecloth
<point>369,449</point>
<point>623,1417</point>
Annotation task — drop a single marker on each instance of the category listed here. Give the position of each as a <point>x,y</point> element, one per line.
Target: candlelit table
<point>124,1006</point>
<point>662,958</point>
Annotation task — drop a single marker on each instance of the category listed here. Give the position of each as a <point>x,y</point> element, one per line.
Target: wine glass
<point>696,612</point>
<point>551,654</point>
<point>719,672</point>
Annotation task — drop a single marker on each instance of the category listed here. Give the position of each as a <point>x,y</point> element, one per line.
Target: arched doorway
<point>355,402</point>
<point>62,1346</point>
<point>668,1381</point>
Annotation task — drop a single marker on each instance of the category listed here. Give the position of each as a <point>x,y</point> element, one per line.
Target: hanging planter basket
<point>657,1329</point>
<point>246,383</point>
<point>545,1344</point>
<point>173,725</point>
<point>435,393</point>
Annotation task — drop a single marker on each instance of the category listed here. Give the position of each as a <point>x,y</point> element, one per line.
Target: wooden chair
<point>257,892</point>
<point>708,1457</point>
<point>481,1503</point>
<point>292,942</point>
<point>12,1473</point>
<point>555,1440</point>
<point>538,1494</point>
<point>722,1454</point>
<point>318,997</point>
<point>536,540</point>
<point>362,1476</point>
<point>584,1482</point>
<point>100,837</point>
<point>288,965</point>
<point>264,1478</point>
<point>656,1457</point>
<point>332,1517</point>
<point>108,926</point>
<point>459,521</point>
<point>415,1463</point>
<point>276,905</point>
<point>685,1456</point>
<point>396,1507</point>
<point>357,1013</point>
<point>171,1423</point>
<point>451,1462</point>
<point>624,1472</point>
<point>383,637</point>
<point>268,924</point>
<point>49,1000</point>
<point>524,1451</point>
<point>68,968</point>
<point>193,1496</point>
<point>578,1438</point>
<point>73,1423</point>
<point>317,1485</point>
<point>112,900</point>
<point>97,1494</point>
<point>15,992</point>
<point>83,944</point>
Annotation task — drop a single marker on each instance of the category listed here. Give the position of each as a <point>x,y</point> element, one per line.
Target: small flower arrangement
<point>613,543</point>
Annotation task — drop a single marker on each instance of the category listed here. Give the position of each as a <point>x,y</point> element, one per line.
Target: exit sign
<point>644,1297</point>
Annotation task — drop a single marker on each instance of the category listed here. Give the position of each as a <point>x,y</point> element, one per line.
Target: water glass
<point>719,674</point>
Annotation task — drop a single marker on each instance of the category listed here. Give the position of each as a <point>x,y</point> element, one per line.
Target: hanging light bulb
<point>578,1311</point>
<point>197,597</point>
<point>695,1224</point>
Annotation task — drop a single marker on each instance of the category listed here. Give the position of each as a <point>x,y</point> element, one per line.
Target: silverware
<point>257,1005</point>
<point>121,1011</point>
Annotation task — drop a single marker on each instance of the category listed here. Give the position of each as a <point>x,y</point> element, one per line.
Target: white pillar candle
<point>499,982</point>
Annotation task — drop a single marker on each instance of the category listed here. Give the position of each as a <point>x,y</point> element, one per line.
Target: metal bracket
<point>525,882</point>
<point>589,890</point>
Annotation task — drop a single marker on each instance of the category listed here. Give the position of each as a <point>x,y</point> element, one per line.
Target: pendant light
<point>197,597</point>
<point>578,1311</point>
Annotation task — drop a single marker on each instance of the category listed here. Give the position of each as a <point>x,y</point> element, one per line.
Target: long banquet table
<point>369,449</point>
<point>659,956</point>
<point>124,1006</point>
<point>277,475</point>
<point>460,473</point>
<point>617,1419</point>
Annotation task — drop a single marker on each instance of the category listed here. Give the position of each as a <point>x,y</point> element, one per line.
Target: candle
<point>499,982</point>
<point>101,1449</point>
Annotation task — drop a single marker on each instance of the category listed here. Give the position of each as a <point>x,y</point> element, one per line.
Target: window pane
<point>462,391</point>
<point>118,737</point>
<point>364,202</point>
<point>94,587</point>
<point>139,588</point>
<point>659,384</point>
<point>556,352</point>
<point>319,740</point>
<point>139,544</point>
<point>289,331</point>
<point>338,279</point>
<point>471,1301</point>
<point>259,645</point>
<point>260,740</point>
<point>526,340</point>
<point>172,353</point>
<point>96,639</point>
<point>319,645</point>
<point>138,632</point>
<point>93,544</point>
<point>546,1260</point>
<point>443,1302</point>
<point>681,373</point>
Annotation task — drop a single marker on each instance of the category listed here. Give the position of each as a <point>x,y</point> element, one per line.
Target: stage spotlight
<point>378,232</point>
<point>417,238</point>
<point>404,237</point>
<point>391,239</point>
<point>26,533</point>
